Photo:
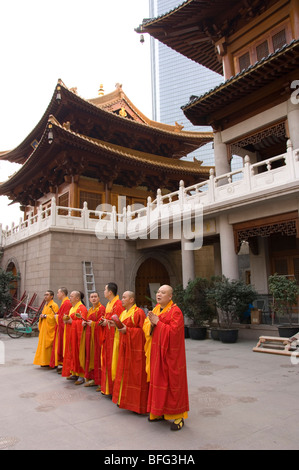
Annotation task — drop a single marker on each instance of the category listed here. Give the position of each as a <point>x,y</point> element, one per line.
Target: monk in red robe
<point>58,345</point>
<point>71,363</point>
<point>130,387</point>
<point>114,306</point>
<point>166,361</point>
<point>87,345</point>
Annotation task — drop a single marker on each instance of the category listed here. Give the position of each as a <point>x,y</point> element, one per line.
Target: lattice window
<point>92,199</point>
<point>279,39</point>
<point>244,61</point>
<point>262,50</point>
<point>63,201</point>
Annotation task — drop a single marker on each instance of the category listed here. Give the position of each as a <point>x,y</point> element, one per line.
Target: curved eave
<point>67,139</point>
<point>149,127</point>
<point>182,30</point>
<point>69,99</point>
<point>267,71</point>
<point>25,148</point>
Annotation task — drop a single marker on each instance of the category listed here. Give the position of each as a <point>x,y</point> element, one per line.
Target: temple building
<point>86,156</point>
<point>254,114</point>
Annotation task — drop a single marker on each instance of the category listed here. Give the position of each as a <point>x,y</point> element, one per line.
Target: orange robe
<point>112,308</point>
<point>166,364</point>
<point>71,363</point>
<point>46,328</point>
<point>130,388</point>
<point>87,345</point>
<point>58,347</point>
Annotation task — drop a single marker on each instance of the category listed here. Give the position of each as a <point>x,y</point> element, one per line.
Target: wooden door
<point>150,271</point>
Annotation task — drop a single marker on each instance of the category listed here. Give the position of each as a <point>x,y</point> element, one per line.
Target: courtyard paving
<point>239,400</point>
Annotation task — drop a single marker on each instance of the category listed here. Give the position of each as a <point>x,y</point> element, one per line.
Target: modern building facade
<point>175,78</point>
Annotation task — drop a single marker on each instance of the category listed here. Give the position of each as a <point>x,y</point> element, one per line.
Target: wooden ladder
<point>88,280</point>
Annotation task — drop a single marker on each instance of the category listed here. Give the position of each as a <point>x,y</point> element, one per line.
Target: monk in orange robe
<point>71,363</point>
<point>114,306</point>
<point>87,345</point>
<point>130,388</point>
<point>58,344</point>
<point>46,326</point>
<point>166,361</point>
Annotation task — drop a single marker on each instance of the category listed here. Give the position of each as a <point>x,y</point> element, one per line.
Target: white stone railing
<point>106,222</point>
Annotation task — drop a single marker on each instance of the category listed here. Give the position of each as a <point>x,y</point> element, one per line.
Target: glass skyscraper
<point>174,79</point>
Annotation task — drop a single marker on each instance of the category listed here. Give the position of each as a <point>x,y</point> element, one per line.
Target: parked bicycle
<point>25,322</point>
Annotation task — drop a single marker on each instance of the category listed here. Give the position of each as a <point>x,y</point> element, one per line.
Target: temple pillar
<point>229,258</point>
<point>293,119</point>
<point>222,165</point>
<point>188,263</point>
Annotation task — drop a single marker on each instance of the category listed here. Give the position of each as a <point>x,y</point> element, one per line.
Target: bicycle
<point>24,325</point>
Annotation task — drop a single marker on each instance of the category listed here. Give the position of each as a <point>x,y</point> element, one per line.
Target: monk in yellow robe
<point>46,326</point>
<point>58,344</point>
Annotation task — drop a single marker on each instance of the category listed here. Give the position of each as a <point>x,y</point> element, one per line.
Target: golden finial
<point>101,91</point>
<point>122,112</point>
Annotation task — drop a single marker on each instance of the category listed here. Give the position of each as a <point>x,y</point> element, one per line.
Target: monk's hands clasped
<point>153,318</point>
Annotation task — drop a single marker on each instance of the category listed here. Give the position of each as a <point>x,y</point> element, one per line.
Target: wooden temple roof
<point>112,118</point>
<point>62,153</point>
<point>194,27</point>
<point>264,84</point>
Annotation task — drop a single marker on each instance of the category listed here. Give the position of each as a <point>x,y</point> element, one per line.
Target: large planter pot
<point>287,331</point>
<point>228,336</point>
<point>215,334</point>
<point>197,332</point>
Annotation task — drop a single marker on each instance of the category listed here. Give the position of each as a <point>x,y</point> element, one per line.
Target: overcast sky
<point>84,43</point>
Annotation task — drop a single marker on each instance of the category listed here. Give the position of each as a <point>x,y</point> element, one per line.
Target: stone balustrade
<point>258,178</point>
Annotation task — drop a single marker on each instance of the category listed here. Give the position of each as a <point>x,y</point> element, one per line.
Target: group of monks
<point>137,360</point>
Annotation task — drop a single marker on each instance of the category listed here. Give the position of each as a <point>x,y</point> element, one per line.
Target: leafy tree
<point>285,293</point>
<point>6,280</point>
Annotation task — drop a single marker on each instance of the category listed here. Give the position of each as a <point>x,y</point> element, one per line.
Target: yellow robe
<point>46,328</point>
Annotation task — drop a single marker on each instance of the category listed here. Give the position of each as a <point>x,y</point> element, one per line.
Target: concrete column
<point>188,264</point>
<point>229,258</point>
<point>293,122</point>
<point>222,165</point>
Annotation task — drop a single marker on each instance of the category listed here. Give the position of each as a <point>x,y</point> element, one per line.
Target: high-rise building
<point>174,79</point>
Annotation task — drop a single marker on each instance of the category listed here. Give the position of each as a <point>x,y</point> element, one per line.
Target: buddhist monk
<point>46,326</point>
<point>166,361</point>
<point>71,363</point>
<point>114,306</point>
<point>58,344</point>
<point>88,339</point>
<point>130,388</point>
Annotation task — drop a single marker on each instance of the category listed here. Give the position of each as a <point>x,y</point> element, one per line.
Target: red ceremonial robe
<point>57,351</point>
<point>115,307</point>
<point>94,314</point>
<point>71,364</point>
<point>130,387</point>
<point>168,391</point>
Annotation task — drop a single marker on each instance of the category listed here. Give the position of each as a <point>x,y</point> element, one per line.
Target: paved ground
<point>239,399</point>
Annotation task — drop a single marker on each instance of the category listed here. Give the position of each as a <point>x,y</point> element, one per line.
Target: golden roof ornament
<point>122,112</point>
<point>101,91</point>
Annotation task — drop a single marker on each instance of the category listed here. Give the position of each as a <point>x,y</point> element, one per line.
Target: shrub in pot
<point>195,305</point>
<point>285,293</point>
<point>232,298</point>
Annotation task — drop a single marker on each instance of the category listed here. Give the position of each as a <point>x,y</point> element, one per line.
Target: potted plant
<point>285,293</point>
<point>178,298</point>
<point>196,307</point>
<point>232,298</point>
